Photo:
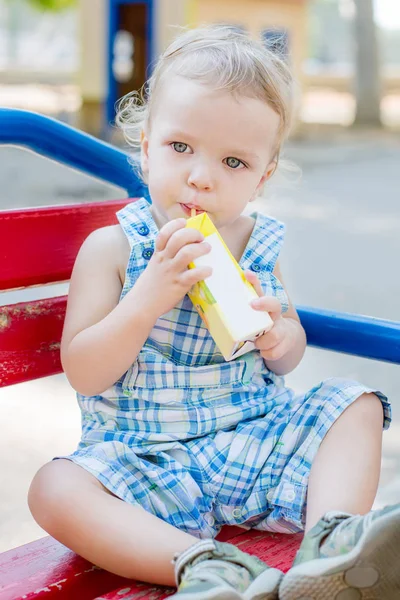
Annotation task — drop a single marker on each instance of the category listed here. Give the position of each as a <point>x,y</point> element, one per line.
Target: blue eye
<point>234,163</point>
<point>179,147</point>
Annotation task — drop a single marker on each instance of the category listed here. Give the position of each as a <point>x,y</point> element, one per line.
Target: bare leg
<point>75,508</point>
<point>345,473</point>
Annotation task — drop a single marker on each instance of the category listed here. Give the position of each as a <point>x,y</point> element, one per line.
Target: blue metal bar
<point>67,145</point>
<point>359,335</point>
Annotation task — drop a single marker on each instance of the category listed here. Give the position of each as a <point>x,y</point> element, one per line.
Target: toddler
<point>176,442</point>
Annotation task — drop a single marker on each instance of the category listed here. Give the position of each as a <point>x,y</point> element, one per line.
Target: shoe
<point>347,557</point>
<point>212,570</point>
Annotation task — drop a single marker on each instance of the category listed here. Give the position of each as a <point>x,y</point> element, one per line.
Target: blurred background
<point>73,59</point>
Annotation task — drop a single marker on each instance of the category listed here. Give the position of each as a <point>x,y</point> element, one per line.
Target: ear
<point>144,152</point>
<point>269,171</point>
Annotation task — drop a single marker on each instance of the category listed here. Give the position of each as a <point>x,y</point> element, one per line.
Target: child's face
<point>206,149</point>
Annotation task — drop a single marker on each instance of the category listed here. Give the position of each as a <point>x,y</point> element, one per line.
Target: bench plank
<point>30,339</point>
<point>47,569</point>
<point>277,550</point>
<point>39,245</point>
<point>31,333</point>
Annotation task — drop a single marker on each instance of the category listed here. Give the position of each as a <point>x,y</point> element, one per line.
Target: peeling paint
<point>141,590</point>
<point>58,584</point>
<point>92,568</point>
<point>5,321</point>
<point>253,539</point>
<point>35,308</point>
<point>54,346</point>
<point>40,590</point>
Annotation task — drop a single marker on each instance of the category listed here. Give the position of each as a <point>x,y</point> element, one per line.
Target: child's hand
<point>167,275</point>
<point>280,339</point>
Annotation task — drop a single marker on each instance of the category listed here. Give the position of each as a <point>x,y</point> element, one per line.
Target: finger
<point>270,304</point>
<point>189,253</point>
<point>180,238</point>
<point>270,339</point>
<point>275,353</point>
<point>165,233</point>
<point>255,282</point>
<point>192,276</point>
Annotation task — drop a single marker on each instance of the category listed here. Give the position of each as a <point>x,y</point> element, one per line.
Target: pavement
<point>341,252</point>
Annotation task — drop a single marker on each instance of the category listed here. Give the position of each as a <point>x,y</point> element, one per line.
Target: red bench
<point>39,246</point>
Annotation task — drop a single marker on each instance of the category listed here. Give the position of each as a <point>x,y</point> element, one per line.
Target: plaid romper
<point>200,442</point>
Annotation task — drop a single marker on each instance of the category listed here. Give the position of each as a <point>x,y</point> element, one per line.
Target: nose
<point>200,177</point>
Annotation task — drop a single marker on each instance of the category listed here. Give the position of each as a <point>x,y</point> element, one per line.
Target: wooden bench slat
<point>30,334</point>
<point>277,549</point>
<point>39,245</point>
<point>47,569</point>
<point>138,591</point>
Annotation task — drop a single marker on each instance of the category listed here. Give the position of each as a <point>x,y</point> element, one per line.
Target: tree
<point>367,76</point>
<point>53,5</point>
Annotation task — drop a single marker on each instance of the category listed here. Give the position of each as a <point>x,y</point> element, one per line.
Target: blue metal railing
<point>69,146</point>
<point>341,332</point>
<point>349,333</point>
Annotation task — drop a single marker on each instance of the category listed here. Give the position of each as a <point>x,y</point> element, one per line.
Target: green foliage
<point>53,5</point>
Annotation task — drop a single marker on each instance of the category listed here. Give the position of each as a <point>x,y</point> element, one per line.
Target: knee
<point>49,494</point>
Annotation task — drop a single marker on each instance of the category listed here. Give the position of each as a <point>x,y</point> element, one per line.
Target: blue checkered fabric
<point>195,440</point>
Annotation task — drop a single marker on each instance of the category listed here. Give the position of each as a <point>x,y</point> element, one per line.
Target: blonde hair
<point>223,57</point>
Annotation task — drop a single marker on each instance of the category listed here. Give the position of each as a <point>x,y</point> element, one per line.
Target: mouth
<point>187,209</point>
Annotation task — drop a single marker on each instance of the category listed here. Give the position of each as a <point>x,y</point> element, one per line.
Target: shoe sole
<point>217,593</point>
<point>265,587</point>
<point>369,572</point>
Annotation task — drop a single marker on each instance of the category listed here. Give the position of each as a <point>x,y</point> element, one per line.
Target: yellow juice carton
<point>223,299</point>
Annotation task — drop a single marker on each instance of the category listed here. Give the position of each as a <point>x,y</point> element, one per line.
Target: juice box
<point>223,299</point>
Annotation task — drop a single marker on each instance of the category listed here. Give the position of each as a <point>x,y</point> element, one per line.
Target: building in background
<point>74,64</point>
<point>121,39</point>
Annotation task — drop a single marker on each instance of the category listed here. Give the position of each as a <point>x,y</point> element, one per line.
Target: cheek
<point>162,178</point>
<point>157,165</point>
<point>243,183</point>
<point>162,160</point>
<point>173,168</point>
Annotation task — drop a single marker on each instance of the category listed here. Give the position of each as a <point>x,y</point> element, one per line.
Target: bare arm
<point>298,341</point>
<point>283,347</point>
<point>102,336</point>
